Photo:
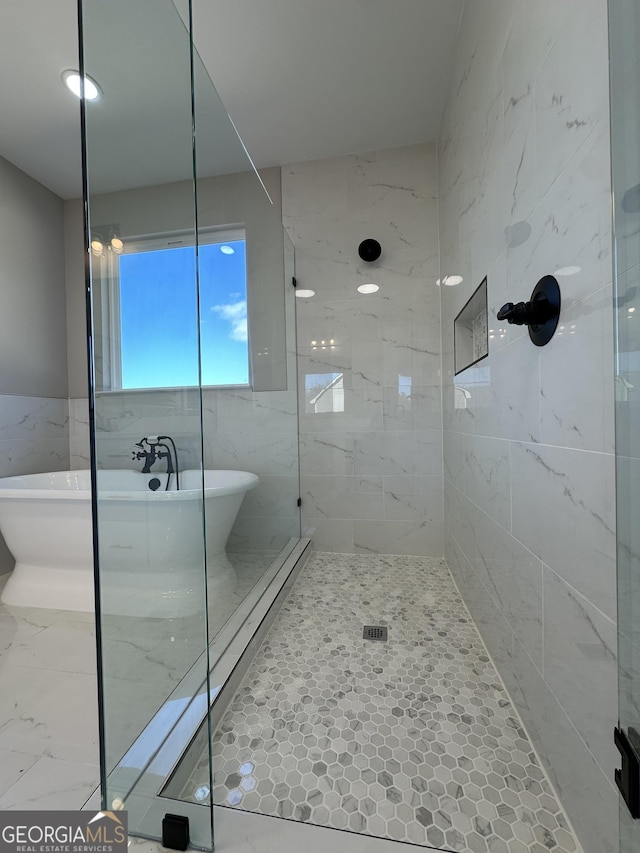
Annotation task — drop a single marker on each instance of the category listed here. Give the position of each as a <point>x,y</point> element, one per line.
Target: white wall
<point>371,473</point>
<point>33,379</point>
<point>529,466</point>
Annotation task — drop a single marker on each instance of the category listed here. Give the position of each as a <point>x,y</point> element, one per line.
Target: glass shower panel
<point>624,22</point>
<point>147,445</point>
<point>249,427</point>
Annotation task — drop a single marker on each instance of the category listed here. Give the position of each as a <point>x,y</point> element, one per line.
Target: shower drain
<point>374,632</point>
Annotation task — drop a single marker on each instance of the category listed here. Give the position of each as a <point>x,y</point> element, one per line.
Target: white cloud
<point>236,314</point>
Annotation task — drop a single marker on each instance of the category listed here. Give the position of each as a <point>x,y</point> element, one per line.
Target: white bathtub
<point>150,543</point>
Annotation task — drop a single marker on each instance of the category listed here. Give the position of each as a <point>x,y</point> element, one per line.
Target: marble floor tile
<point>52,783</point>
<point>12,766</point>
<point>48,689</point>
<point>413,739</point>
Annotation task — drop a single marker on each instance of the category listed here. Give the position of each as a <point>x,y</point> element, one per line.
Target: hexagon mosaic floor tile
<point>413,738</point>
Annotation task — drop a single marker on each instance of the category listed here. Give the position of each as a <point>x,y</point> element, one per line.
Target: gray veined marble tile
<point>418,498</point>
<point>570,227</point>
<point>33,418</point>
<point>346,497</point>
<point>52,784</point>
<point>33,455</point>
<point>322,453</point>
<point>568,106</point>
<point>512,576</point>
<point>580,652</point>
<point>487,476</point>
<point>391,178</point>
<point>505,398</point>
<point>411,406</point>
<point>576,379</point>
<point>12,767</point>
<point>562,504</point>
<point>398,452</point>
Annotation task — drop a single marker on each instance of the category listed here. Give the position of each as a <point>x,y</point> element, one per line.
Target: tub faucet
<point>155,447</point>
<point>149,456</point>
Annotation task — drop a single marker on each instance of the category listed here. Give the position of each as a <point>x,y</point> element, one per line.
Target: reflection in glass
<point>323,392</point>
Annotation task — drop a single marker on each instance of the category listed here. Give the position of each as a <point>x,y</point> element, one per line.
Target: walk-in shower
<point>441,671</point>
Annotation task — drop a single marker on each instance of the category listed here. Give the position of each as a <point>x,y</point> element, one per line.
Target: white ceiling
<point>302,79</point>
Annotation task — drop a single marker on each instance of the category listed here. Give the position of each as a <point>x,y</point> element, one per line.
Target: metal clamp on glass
<point>628,777</point>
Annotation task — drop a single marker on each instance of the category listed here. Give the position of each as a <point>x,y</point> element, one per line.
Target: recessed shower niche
<point>470,331</point>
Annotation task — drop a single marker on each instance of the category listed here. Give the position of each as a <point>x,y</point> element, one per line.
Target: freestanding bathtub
<point>150,543</point>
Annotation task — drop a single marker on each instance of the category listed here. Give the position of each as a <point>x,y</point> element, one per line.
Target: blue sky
<point>158,317</point>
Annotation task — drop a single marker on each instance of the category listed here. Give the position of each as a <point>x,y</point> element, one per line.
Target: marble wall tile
<point>592,801</point>
<point>335,496</point>
<point>326,454</point>
<point>569,105</point>
<point>413,498</point>
<point>487,476</point>
<point>79,433</point>
<point>263,454</point>
<point>400,452</point>
<point>525,191</point>
<point>494,628</point>
<point>512,575</point>
<point>505,399</point>
<point>33,417</point>
<point>411,406</point>
<point>400,176</point>
<point>454,467</point>
<point>274,495</point>
<point>570,227</point>
<point>580,660</point>
<point>34,456</point>
<point>249,411</point>
<point>398,537</point>
<point>563,511</point>
<point>575,378</point>
<point>329,534</point>
<point>263,533</point>
<point>356,410</point>
<point>460,516</point>
<point>34,435</point>
<point>372,466</point>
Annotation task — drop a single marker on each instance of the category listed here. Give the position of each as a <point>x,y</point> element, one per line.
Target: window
<point>153,312</point>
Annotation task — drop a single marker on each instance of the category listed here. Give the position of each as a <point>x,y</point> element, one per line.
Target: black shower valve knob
<point>540,314</point>
<point>518,314</point>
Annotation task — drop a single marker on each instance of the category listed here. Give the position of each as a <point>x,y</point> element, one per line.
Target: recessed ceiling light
<point>368,288</point>
<point>227,250</point>
<point>72,81</point>
<point>568,270</point>
<point>452,280</point>
<point>305,294</point>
